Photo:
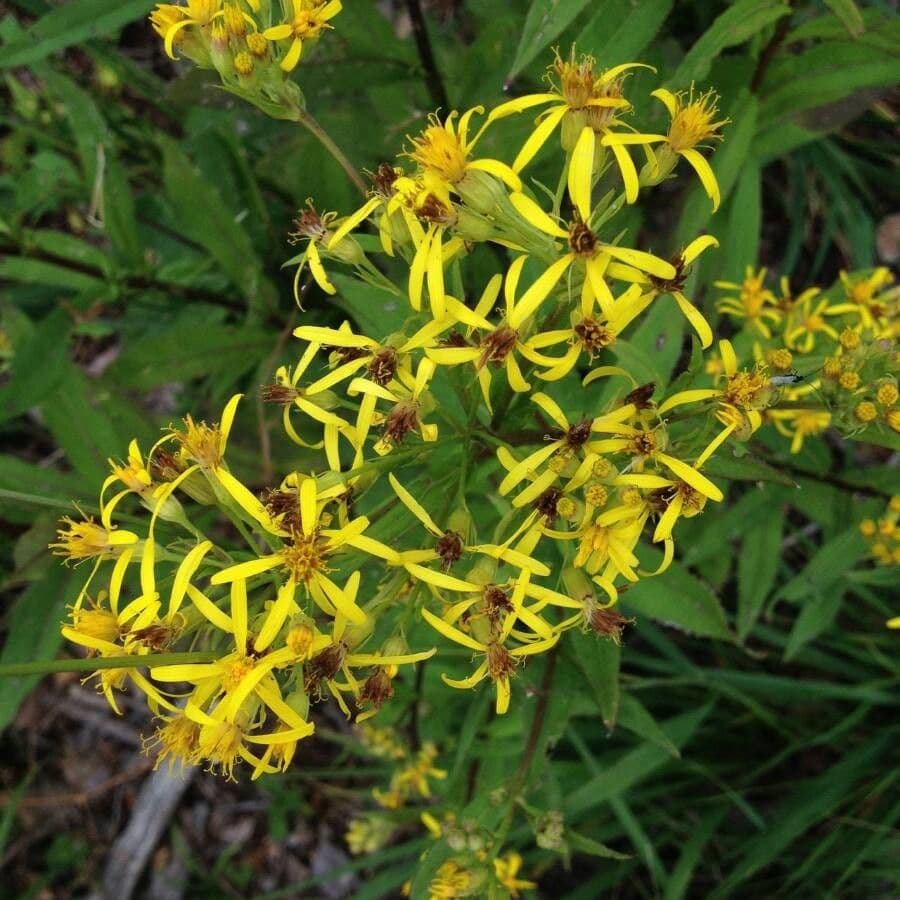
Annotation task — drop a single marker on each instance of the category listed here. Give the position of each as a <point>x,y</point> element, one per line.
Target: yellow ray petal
<point>581,170</point>
<point>690,475</point>
<point>184,573</point>
<point>451,633</point>
<point>534,215</point>
<point>705,173</point>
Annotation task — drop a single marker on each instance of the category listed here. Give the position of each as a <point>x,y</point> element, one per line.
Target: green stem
<point>561,185</point>
<point>322,136</point>
<point>92,664</point>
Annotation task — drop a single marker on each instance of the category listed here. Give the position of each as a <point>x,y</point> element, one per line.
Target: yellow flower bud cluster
<point>252,44</point>
<point>831,356</point>
<point>883,534</point>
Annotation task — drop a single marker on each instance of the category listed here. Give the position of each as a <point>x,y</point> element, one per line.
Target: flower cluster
<point>485,472</point>
<point>883,537</point>
<point>827,358</point>
<point>252,44</point>
<point>410,783</point>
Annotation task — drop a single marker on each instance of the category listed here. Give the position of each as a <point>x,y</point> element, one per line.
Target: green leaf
<point>74,22</point>
<point>823,75</point>
<point>634,716</point>
<point>691,854</point>
<point>186,351</point>
<point>79,424</point>
<point>39,367</point>
<point>848,12</point>
<point>757,568</point>
<point>833,559</point>
<point>679,599</point>
<point>546,20</point>
<point>87,124</point>
<point>203,215</point>
<point>375,310</point>
<point>740,244</point>
<point>36,271</point>
<point>588,845</point>
<point>636,24</point>
<point>881,437</point>
<point>31,487</point>
<point>817,613</point>
<point>810,804</point>
<point>634,766</point>
<point>746,468</point>
<point>119,220</point>
<point>33,634</point>
<point>63,246</point>
<point>640,363</point>
<point>598,661</point>
<point>740,22</point>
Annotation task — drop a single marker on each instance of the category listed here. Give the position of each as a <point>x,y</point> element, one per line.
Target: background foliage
<point>740,747</point>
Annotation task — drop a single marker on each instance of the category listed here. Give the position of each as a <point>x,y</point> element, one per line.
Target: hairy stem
<point>92,664</point>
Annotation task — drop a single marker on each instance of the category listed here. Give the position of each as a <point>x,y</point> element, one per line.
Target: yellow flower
<point>674,286</point>
<point>584,247</point>
<point>176,739</point>
<point>865,412</point>
<point>87,540</point>
<point>745,393</point>
<point>499,662</point>
<point>755,302</point>
<point>304,555</point>
<point>693,123</point>
<point>199,13</point>
<point>443,153</point>
<point>451,545</point>
<point>403,418</point>
<point>809,319</point>
<point>799,424</point>
<point>355,351</point>
<point>286,391</point>
<point>647,444</point>
<point>308,18</point>
<point>383,196</point>
<point>316,229</point>
<point>498,345</point>
<point>865,293</point>
<point>590,333</point>
<point>573,439</point>
<point>368,834</point>
<point>506,870</point>
<point>585,103</point>
<point>452,881</point>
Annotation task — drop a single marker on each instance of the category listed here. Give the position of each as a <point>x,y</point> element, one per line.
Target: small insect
<point>789,379</point>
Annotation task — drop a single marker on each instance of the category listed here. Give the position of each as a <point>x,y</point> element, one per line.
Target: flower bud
<point>481,191</point>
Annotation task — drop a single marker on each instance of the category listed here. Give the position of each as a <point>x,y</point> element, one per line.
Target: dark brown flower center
<point>323,667</point>
<point>582,240</point>
<point>377,688</point>
<point>668,285</point>
<point>383,180</point>
<point>546,504</point>
<point>449,548</point>
<point>594,336</point>
<point>578,435</point>
<point>608,623</point>
<point>279,393</point>
<point>401,420</point>
<point>498,345</point>
<point>383,366</point>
